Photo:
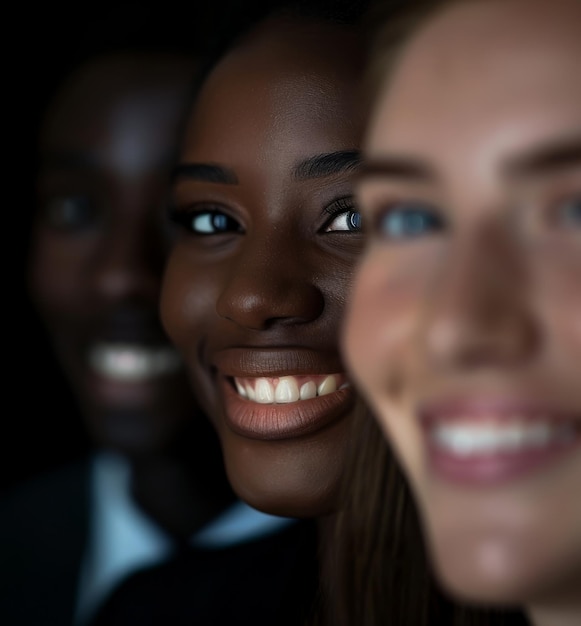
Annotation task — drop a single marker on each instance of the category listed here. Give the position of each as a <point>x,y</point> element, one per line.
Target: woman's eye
<point>568,213</point>
<point>206,222</point>
<point>409,220</point>
<point>70,213</point>
<point>345,217</point>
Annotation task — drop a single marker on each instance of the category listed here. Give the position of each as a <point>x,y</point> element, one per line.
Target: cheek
<point>188,299</point>
<point>559,297</point>
<point>380,345</point>
<point>56,273</point>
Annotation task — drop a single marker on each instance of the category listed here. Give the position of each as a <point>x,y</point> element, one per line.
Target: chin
<point>290,479</point>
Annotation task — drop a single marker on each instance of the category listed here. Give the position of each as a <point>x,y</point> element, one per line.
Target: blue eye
<point>212,222</point>
<point>409,220</point>
<point>569,213</point>
<point>72,213</point>
<point>345,217</point>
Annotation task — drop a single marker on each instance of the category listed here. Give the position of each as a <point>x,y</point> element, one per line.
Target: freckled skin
<point>118,117</point>
<point>286,93</point>
<point>491,303</point>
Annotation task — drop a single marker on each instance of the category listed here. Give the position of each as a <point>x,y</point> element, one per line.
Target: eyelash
<point>185,219</point>
<point>344,205</point>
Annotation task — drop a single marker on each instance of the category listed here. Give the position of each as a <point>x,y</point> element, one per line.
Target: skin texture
<point>99,246</point>
<point>477,303</point>
<point>272,288</point>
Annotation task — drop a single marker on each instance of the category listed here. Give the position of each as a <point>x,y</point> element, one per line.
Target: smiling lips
<point>281,393</point>
<point>287,389</point>
<point>132,362</point>
<point>488,442</point>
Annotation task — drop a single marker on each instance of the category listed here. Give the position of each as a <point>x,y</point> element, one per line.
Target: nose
<point>481,314</point>
<point>269,284</point>
<point>129,262</point>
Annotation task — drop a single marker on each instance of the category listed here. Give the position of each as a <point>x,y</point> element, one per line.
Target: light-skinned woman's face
<point>256,283</point>
<point>100,241</point>
<point>465,327</point>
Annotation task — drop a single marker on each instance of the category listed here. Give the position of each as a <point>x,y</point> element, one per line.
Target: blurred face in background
<point>256,283</point>
<point>465,327</point>
<point>100,241</point>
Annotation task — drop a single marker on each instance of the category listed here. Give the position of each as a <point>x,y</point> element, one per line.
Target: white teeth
<point>264,391</point>
<point>308,391</point>
<point>133,362</point>
<point>473,439</point>
<point>329,385</point>
<point>287,390</point>
<point>241,389</point>
<point>250,393</point>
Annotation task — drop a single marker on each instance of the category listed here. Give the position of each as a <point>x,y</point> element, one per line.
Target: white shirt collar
<point>123,539</point>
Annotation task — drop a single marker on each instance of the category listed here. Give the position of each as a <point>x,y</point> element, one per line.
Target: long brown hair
<point>375,570</point>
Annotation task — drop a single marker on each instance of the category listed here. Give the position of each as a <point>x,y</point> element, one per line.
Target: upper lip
<point>129,326</point>
<point>475,408</point>
<point>272,362</point>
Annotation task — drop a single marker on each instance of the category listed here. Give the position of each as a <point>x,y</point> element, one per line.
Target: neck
<point>177,497</point>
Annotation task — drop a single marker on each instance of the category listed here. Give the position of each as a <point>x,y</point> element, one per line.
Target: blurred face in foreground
<point>255,286</point>
<point>465,327</point>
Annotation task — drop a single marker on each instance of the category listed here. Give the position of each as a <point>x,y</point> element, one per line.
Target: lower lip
<point>490,469</point>
<point>284,421</point>
<point>121,393</point>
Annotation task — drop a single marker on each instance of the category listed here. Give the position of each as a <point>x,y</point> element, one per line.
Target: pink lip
<point>283,421</point>
<point>494,467</point>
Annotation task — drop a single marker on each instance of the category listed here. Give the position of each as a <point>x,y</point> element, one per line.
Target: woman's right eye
<point>211,222</point>
<point>72,213</point>
<point>408,220</point>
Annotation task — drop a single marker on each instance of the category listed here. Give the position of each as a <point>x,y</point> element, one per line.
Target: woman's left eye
<point>568,213</point>
<point>345,216</point>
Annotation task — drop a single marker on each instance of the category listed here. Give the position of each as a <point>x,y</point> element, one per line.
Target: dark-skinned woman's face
<point>100,242</point>
<point>256,283</point>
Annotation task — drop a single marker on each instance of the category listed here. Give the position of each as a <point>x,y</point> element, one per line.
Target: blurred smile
<point>491,440</point>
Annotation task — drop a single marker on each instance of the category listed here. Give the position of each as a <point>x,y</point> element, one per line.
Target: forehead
<point>121,109</point>
<point>291,87</point>
<point>496,74</point>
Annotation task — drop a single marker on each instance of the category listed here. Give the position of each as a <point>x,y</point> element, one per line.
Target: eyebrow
<point>552,157</point>
<point>322,165</point>
<point>63,160</point>
<point>398,168</point>
<point>204,172</point>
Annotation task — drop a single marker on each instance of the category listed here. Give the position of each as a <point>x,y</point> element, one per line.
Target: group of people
<point>317,290</point>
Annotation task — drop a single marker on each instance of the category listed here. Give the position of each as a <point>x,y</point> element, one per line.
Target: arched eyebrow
<point>396,168</point>
<point>547,158</point>
<point>204,172</point>
<point>322,165</point>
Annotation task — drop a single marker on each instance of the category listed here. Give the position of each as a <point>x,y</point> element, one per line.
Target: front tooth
<point>250,392</point>
<point>241,390</point>
<point>329,385</point>
<point>264,391</point>
<point>308,391</point>
<point>287,390</point>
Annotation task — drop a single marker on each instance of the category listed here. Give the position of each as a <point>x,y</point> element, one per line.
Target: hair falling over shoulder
<point>375,570</point>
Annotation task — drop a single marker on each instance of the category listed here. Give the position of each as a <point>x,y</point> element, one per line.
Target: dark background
<point>42,428</point>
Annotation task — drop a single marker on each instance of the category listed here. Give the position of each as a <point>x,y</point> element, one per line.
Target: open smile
<point>489,442</point>
<point>288,389</point>
<point>264,400</point>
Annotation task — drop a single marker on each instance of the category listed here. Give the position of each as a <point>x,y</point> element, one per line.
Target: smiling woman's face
<point>255,286</point>
<point>465,326</point>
